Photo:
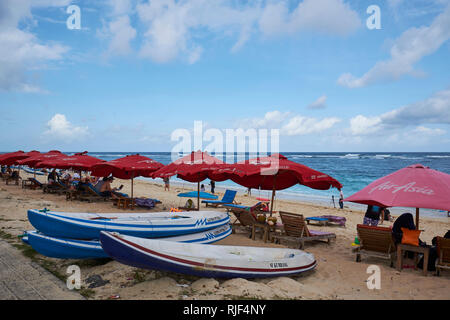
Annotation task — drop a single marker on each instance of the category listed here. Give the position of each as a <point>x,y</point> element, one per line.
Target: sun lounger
<point>443,251</point>
<point>57,187</point>
<point>326,220</point>
<point>296,230</point>
<point>248,220</point>
<point>376,242</point>
<point>228,198</point>
<point>32,183</point>
<point>14,177</point>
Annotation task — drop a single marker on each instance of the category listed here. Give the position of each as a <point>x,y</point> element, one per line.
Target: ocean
<point>353,170</point>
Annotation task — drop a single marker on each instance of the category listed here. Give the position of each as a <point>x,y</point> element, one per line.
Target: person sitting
<point>372,215</point>
<point>3,169</point>
<point>106,190</point>
<point>406,220</point>
<point>433,254</point>
<point>52,177</point>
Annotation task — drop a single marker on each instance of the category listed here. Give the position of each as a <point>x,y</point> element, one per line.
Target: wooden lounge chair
<point>376,242</point>
<point>247,219</point>
<point>56,187</point>
<point>228,198</point>
<point>296,230</point>
<point>443,251</point>
<point>14,177</point>
<point>91,194</point>
<point>32,183</point>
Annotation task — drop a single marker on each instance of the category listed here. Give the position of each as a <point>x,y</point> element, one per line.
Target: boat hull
<point>146,225</point>
<point>131,251</point>
<point>64,248</point>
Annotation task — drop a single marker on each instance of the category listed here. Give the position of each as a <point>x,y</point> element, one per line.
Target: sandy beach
<point>337,275</point>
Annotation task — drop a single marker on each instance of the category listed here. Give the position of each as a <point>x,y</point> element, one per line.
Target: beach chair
<point>14,177</point>
<point>32,183</point>
<point>57,187</point>
<point>443,251</point>
<point>376,242</point>
<point>92,194</point>
<point>248,220</point>
<point>295,230</point>
<point>228,198</point>
<point>327,220</point>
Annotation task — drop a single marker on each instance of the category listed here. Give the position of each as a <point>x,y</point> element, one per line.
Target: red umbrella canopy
<point>194,167</point>
<point>33,160</point>
<point>127,167</point>
<point>79,161</point>
<point>415,186</point>
<point>276,172</point>
<point>14,157</point>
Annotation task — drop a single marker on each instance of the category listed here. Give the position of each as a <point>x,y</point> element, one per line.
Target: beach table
<point>425,250</point>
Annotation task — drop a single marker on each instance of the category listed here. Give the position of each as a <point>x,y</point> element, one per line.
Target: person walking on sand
<point>166,184</point>
<point>213,186</point>
<point>341,199</point>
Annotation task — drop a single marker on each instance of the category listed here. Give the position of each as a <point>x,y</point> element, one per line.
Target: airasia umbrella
<point>194,167</point>
<point>276,172</point>
<point>14,157</point>
<point>415,186</point>
<point>127,167</point>
<point>79,161</point>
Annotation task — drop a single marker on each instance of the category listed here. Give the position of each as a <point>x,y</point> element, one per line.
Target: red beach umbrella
<point>33,160</point>
<point>16,156</point>
<point>194,167</point>
<point>415,186</point>
<point>127,167</point>
<point>4,157</point>
<point>79,161</point>
<point>276,172</point>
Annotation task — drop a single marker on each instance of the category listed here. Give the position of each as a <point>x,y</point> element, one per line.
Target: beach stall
<point>128,167</point>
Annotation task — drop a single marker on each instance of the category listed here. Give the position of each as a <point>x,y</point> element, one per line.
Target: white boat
<point>215,261</point>
<point>82,225</point>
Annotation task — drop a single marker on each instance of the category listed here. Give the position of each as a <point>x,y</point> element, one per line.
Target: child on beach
<point>202,188</point>
<point>372,216</point>
<point>166,184</point>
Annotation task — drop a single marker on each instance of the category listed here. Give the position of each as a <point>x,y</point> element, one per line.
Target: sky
<point>128,75</point>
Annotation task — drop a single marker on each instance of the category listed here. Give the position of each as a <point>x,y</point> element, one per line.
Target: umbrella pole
<point>198,196</point>
<point>271,203</point>
<point>417,218</point>
<point>132,197</point>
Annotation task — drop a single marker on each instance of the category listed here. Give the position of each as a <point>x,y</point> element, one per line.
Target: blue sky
<point>138,70</point>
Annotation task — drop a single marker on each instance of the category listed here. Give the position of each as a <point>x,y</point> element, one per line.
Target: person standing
<point>341,199</point>
<point>372,216</point>
<point>166,184</point>
<point>213,186</point>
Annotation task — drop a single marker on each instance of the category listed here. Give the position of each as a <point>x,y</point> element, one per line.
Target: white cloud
<point>173,27</point>
<point>429,131</point>
<point>289,124</point>
<point>325,16</point>
<point>21,51</point>
<point>361,125</point>
<point>407,50</point>
<point>121,33</point>
<point>59,128</point>
<point>300,125</point>
<point>320,103</point>
<point>433,110</point>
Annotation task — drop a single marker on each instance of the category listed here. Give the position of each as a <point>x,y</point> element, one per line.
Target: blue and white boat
<point>214,261</point>
<point>75,225</point>
<point>64,248</point>
<point>33,171</point>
